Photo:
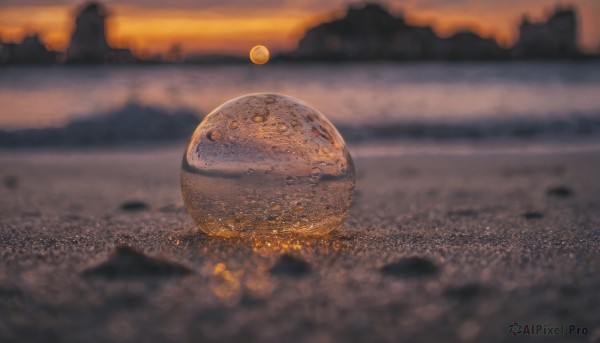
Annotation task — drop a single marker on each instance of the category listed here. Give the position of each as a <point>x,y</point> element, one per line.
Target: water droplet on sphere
<point>214,135</point>
<point>257,118</point>
<point>282,127</point>
<point>270,179</point>
<point>297,127</point>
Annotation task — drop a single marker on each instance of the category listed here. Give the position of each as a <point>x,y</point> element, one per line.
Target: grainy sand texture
<point>97,246</point>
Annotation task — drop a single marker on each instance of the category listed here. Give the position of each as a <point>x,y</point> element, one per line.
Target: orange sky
<point>235,30</point>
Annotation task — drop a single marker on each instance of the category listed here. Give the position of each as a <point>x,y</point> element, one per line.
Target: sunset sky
<point>234,26</point>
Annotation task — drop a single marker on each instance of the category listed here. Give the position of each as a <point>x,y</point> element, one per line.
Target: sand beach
<point>96,245</point>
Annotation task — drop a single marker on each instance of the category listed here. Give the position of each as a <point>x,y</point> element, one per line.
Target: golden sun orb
<point>259,54</point>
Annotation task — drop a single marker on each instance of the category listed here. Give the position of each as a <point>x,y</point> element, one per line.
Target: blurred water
<point>349,94</point>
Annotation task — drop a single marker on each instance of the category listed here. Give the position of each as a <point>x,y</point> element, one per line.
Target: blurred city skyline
<point>234,26</point>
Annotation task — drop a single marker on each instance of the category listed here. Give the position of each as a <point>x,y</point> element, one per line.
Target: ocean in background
<point>366,101</point>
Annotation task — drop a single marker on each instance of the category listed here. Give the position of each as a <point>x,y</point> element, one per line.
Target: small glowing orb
<point>264,164</point>
<point>259,54</point>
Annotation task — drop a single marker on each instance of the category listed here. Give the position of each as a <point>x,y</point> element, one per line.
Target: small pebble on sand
<point>128,263</point>
<point>411,267</point>
<point>533,215</point>
<point>134,205</point>
<point>290,266</point>
<point>559,192</point>
<point>11,182</point>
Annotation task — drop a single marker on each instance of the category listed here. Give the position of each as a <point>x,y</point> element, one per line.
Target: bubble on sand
<point>273,163</point>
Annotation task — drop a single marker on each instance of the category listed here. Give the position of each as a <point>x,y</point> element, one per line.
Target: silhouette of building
<point>370,32</point>
<point>554,38</point>
<point>466,45</point>
<point>88,41</point>
<point>30,51</point>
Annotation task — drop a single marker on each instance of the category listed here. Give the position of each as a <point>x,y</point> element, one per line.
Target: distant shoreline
<point>285,62</point>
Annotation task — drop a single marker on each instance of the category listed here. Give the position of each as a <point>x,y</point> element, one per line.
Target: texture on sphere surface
<point>267,163</point>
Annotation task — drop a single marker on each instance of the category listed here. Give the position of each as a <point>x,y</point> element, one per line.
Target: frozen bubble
<point>234,124</point>
<point>214,135</point>
<point>283,152</point>
<point>282,127</point>
<point>297,127</point>
<point>257,118</point>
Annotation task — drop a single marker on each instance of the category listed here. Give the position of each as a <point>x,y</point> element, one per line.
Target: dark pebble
<point>125,301</point>
<point>134,205</point>
<point>212,315</point>
<point>127,263</point>
<point>10,293</point>
<point>463,213</point>
<point>410,267</point>
<point>560,191</point>
<point>533,215</point>
<point>291,266</point>
<point>11,182</point>
<point>251,301</point>
<point>465,292</point>
<point>568,291</point>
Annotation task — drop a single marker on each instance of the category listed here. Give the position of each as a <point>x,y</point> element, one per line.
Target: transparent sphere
<point>263,164</point>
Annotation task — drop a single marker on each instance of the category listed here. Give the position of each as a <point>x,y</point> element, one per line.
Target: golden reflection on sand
<point>270,245</point>
<point>227,282</point>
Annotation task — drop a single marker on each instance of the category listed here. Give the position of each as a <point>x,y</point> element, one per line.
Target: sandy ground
<point>443,247</point>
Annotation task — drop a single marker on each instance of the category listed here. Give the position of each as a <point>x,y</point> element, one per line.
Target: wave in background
<point>99,106</point>
<point>349,95</point>
<point>135,123</point>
